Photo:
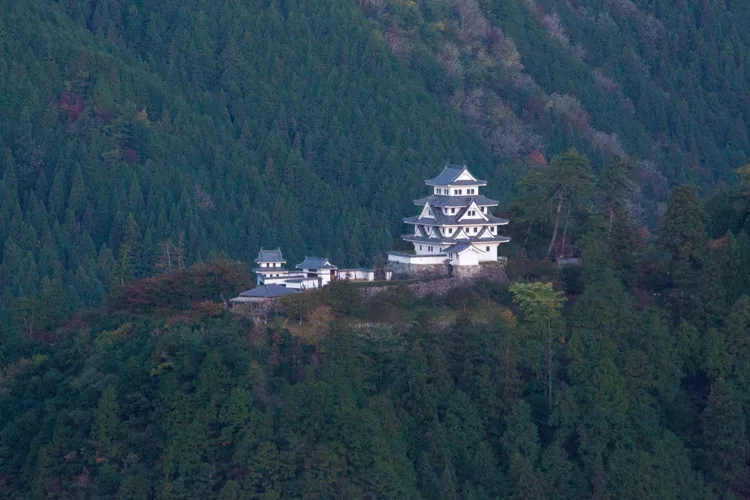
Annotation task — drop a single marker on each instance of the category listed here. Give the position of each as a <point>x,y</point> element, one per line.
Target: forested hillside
<point>572,384</point>
<point>148,149</point>
<point>135,131</point>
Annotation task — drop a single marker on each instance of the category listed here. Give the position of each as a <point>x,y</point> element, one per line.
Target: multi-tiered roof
<point>455,216</point>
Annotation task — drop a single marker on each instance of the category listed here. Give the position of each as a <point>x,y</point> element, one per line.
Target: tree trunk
<point>549,365</point>
<point>528,232</point>
<point>611,211</point>
<point>557,222</point>
<point>565,229</point>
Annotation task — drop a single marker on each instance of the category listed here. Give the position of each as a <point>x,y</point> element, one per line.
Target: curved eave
<point>477,182</point>
<point>442,200</point>
<point>447,241</point>
<point>493,221</point>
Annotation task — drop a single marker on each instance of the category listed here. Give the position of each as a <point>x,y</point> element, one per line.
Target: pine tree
<point>683,235</point>
<point>540,305</point>
<point>725,442</point>
<point>521,448</point>
<point>107,421</point>
<point>448,483</point>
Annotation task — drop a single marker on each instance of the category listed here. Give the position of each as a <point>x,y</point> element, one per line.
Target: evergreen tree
<point>107,421</point>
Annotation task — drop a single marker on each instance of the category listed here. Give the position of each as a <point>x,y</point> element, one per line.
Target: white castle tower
<point>455,225</point>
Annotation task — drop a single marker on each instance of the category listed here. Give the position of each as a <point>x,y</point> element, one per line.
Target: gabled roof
<point>460,248</point>
<point>270,256</point>
<point>315,263</point>
<point>463,212</point>
<point>427,212</point>
<point>485,233</point>
<point>450,175</point>
<point>269,291</point>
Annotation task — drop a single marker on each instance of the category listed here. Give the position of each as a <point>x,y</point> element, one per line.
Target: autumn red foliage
<point>180,289</point>
<point>73,103</point>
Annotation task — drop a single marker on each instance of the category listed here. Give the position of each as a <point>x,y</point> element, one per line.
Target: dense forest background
<point>132,132</point>
<point>146,147</point>
<point>624,378</point>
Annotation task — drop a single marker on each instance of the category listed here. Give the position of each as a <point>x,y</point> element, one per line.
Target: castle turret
<point>271,266</point>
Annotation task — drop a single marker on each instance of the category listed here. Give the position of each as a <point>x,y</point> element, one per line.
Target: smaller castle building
<point>312,272</point>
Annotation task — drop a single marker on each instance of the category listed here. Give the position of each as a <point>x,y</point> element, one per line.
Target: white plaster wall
<point>416,259</point>
<point>488,256</point>
<point>304,285</point>
<point>468,258</point>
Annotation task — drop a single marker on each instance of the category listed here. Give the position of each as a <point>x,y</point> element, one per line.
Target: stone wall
<point>467,272</point>
<point>417,271</point>
<point>494,270</point>
<point>421,289</point>
<point>441,285</point>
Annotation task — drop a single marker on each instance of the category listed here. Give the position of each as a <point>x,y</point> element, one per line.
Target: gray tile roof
<point>449,175</point>
<point>269,291</point>
<point>442,219</point>
<point>473,238</point>
<point>439,200</point>
<point>264,270</point>
<point>270,256</point>
<point>315,263</point>
<point>457,248</point>
<point>300,280</point>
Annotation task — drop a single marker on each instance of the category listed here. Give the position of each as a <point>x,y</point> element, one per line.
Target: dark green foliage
<point>211,406</point>
<point>138,137</point>
<point>148,138</point>
<point>144,144</point>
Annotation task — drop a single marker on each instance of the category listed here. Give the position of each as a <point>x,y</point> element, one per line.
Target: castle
<point>454,227</point>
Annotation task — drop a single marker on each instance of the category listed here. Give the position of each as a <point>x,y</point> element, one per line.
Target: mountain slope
<point>220,134</point>
<point>140,135</point>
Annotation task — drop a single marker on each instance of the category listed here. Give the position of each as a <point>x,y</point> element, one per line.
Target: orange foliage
<point>537,158</point>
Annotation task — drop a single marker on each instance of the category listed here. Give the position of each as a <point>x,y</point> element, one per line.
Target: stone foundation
<point>467,272</point>
<point>417,271</point>
<point>494,270</point>
<point>445,276</point>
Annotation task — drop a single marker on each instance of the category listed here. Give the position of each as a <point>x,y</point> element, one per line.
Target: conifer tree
<point>107,421</point>
<point>540,305</point>
<point>725,442</point>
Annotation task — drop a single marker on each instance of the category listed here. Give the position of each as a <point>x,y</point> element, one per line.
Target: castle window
<point>472,213</point>
<point>488,249</point>
<point>484,209</point>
